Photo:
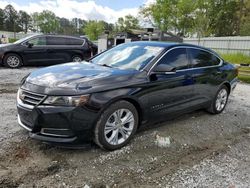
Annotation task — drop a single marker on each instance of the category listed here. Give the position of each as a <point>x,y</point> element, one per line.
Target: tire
<point>118,132</point>
<point>12,60</point>
<point>220,101</point>
<point>77,58</point>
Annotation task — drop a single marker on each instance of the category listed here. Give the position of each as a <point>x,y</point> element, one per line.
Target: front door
<point>35,51</point>
<point>171,92</point>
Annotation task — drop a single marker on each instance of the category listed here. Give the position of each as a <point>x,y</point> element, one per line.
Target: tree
<point>24,21</point>
<point>223,17</point>
<point>1,19</point>
<point>11,19</point>
<point>185,17</point>
<point>145,14</point>
<point>201,19</point>
<point>164,14</point>
<point>93,29</point>
<point>35,22</point>
<point>244,16</point>
<point>127,23</point>
<point>47,22</point>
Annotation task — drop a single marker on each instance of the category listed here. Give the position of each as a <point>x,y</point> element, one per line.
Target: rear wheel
<point>77,58</point>
<point>116,126</point>
<point>12,60</point>
<point>220,101</point>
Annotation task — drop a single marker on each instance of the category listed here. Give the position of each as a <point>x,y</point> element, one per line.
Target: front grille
<point>31,98</point>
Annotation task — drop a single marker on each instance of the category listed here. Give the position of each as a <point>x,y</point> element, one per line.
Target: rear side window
<point>201,58</point>
<point>55,41</point>
<point>64,41</point>
<point>176,58</point>
<point>73,41</point>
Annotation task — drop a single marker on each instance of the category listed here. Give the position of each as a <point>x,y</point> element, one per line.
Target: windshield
<point>128,56</point>
<point>23,39</point>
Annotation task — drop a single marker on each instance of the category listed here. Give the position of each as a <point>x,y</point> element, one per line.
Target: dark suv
<point>46,50</point>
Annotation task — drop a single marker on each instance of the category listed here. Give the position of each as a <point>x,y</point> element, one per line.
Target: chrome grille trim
<point>30,98</point>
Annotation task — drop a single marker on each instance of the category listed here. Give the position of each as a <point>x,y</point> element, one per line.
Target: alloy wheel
<point>119,126</point>
<point>13,61</point>
<point>221,99</point>
<point>77,59</point>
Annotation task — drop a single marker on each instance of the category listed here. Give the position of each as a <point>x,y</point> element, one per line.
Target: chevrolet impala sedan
<point>108,98</point>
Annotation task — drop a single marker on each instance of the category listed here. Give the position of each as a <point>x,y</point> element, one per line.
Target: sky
<point>107,10</point>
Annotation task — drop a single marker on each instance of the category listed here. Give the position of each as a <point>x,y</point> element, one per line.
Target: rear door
<point>171,93</point>
<point>57,50</point>
<point>63,49</point>
<point>206,72</point>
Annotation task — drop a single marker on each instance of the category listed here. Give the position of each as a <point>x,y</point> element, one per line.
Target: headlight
<point>67,100</point>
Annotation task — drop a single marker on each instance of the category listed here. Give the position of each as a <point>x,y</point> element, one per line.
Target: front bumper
<point>72,125</point>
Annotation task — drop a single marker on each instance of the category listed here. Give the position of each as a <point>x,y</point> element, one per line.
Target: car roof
<point>168,45</point>
<point>65,36</point>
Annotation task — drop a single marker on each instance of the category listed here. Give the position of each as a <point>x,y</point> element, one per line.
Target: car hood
<point>5,45</point>
<point>80,77</point>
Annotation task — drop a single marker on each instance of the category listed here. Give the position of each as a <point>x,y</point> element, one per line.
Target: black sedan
<point>46,50</point>
<point>118,91</point>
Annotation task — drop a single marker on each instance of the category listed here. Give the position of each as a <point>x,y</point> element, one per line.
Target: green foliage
<point>47,22</point>
<point>11,19</point>
<point>239,58</point>
<point>185,16</point>
<point>244,78</point>
<point>236,58</point>
<point>93,29</point>
<point>164,13</point>
<point>223,18</point>
<point>244,14</point>
<point>24,21</point>
<point>127,24</point>
<point>11,40</point>
<point>1,19</point>
<point>200,17</point>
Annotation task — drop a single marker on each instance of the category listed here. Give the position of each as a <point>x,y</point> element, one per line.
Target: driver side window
<point>39,41</point>
<point>177,58</point>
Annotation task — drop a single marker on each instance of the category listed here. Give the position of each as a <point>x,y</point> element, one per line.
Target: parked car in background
<point>46,50</point>
<point>108,98</point>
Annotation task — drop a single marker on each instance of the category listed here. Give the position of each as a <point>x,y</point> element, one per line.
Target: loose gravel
<point>203,150</point>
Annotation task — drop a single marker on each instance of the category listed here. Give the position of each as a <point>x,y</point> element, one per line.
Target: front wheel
<point>220,101</point>
<point>116,126</point>
<point>12,60</point>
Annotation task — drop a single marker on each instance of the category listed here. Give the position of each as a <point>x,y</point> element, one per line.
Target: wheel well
<point>13,53</point>
<point>75,55</point>
<point>137,107</point>
<point>228,86</point>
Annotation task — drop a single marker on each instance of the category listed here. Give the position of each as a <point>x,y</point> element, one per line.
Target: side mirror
<point>29,45</point>
<point>164,69</point>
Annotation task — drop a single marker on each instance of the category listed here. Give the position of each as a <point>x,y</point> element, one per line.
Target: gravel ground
<point>204,151</point>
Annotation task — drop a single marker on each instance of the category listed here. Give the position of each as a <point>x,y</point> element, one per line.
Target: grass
<point>244,74</point>
<point>238,58</point>
<point>11,40</point>
<point>244,78</point>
